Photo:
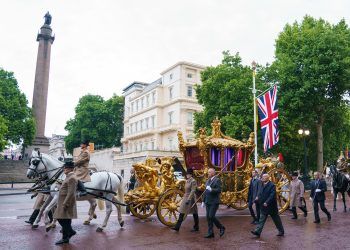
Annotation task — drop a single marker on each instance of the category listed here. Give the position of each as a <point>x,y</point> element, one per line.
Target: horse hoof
<point>99,229</point>
<point>94,216</point>
<point>35,226</point>
<point>121,223</point>
<point>86,222</point>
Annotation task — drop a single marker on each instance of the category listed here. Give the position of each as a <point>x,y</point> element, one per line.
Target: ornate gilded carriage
<point>159,190</point>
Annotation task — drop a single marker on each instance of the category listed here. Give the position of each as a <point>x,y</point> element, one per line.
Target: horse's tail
<point>100,204</point>
<point>120,193</point>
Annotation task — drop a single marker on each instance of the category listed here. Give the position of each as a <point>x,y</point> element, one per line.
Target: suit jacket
<point>268,196</point>
<point>189,196</point>
<point>66,205</point>
<point>81,169</point>
<point>213,197</point>
<point>318,184</point>
<point>254,188</point>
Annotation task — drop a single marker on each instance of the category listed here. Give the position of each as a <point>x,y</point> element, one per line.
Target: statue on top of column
<point>48,18</point>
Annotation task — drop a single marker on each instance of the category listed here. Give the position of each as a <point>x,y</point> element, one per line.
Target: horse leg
<point>343,194</point>
<point>119,211</point>
<point>91,212</point>
<point>42,209</point>
<point>53,203</point>
<point>335,200</point>
<point>109,210</point>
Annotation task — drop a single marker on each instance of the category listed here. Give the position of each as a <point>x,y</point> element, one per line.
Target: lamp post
<point>304,133</point>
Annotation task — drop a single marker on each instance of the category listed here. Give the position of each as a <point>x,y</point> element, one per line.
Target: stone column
<point>41,84</point>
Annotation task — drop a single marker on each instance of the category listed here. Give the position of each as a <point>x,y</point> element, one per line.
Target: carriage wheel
<point>282,181</point>
<point>143,209</point>
<point>168,206</point>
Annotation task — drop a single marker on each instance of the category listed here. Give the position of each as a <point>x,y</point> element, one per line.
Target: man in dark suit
<point>318,189</point>
<point>212,200</point>
<point>268,204</point>
<point>254,187</point>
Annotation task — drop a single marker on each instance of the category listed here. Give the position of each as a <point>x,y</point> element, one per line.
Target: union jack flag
<point>268,113</point>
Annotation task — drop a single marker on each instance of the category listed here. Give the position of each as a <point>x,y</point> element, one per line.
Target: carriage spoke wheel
<point>241,202</point>
<point>282,181</point>
<point>143,210</point>
<point>168,206</point>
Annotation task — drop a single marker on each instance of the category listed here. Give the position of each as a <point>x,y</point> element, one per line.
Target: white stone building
<point>155,112</point>
<point>57,147</point>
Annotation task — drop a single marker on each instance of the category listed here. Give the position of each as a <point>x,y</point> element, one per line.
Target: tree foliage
<point>226,92</point>
<point>97,120</point>
<point>312,67</point>
<point>16,120</point>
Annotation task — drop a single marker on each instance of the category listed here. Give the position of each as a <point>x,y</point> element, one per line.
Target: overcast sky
<point>103,45</point>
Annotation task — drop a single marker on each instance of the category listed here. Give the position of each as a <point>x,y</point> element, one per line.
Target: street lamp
<point>304,133</point>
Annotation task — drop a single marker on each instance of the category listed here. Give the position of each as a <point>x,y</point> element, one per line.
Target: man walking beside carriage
<point>297,196</point>
<point>268,203</point>
<point>212,200</point>
<point>66,206</point>
<point>254,188</point>
<point>318,189</point>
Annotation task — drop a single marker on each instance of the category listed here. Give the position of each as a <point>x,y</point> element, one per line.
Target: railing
<point>16,182</point>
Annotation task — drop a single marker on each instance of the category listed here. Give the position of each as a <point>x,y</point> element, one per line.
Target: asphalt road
<point>151,234</point>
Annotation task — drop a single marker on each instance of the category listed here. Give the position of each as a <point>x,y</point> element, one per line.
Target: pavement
<point>151,234</point>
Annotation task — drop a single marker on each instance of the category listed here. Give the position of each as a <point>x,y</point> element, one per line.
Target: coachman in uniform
<point>81,169</point>
<point>66,205</point>
<point>188,203</point>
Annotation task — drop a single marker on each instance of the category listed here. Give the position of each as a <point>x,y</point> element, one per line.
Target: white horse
<point>104,184</point>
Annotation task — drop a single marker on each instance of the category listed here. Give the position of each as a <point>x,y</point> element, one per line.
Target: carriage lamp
<point>304,133</point>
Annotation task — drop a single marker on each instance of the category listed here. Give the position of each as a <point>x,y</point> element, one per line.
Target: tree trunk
<point>319,127</point>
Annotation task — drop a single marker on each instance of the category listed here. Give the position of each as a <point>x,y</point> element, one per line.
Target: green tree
<point>97,120</point>
<point>312,67</point>
<point>16,120</point>
<point>226,92</point>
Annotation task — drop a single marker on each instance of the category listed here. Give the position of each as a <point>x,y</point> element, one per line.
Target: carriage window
<point>215,156</point>
<point>193,158</point>
<point>229,159</point>
<point>240,154</point>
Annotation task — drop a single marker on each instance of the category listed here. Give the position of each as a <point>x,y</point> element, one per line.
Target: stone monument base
<point>40,143</point>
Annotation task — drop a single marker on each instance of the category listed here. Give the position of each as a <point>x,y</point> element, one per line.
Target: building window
<point>137,105</point>
<point>136,147</point>
<point>153,121</point>
<point>132,107</point>
<point>146,146</point>
<point>153,97</point>
<point>190,118</point>
<point>147,122</point>
<point>142,102</point>
<point>132,128</point>
<point>137,126</point>
<point>128,129</point>
<point>141,122</point>
<point>141,146</point>
<point>189,91</point>
<point>147,100</point>
<point>170,143</point>
<point>170,115</point>
<point>189,75</point>
<point>171,93</point>
<point>152,145</point>
<point>171,76</point>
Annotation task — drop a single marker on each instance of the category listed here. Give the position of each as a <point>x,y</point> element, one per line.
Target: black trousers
<point>211,211</point>
<point>67,229</point>
<point>257,209</point>
<point>323,208</point>
<point>276,220</point>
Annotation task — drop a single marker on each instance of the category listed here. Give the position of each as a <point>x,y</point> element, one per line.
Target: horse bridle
<point>36,164</point>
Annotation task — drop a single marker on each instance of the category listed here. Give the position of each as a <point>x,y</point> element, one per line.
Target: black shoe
<point>256,222</point>
<point>209,236</point>
<point>255,233</point>
<point>72,234</point>
<point>253,222</point>
<point>29,222</point>
<point>280,234</point>
<point>317,221</point>
<point>63,241</point>
<point>294,218</point>
<point>222,231</point>
<point>175,228</point>
<point>305,214</point>
<point>329,217</point>
<point>195,229</point>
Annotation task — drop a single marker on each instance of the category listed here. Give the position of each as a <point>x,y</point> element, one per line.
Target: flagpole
<point>255,122</point>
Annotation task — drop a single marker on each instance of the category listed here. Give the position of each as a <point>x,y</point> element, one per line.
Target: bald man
<point>268,204</point>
